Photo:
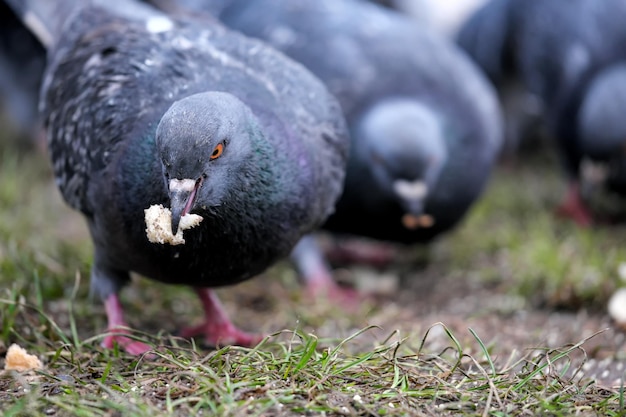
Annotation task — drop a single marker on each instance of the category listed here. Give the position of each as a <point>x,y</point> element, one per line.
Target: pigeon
<point>484,36</point>
<point>424,122</point>
<point>444,16</point>
<point>22,62</point>
<point>571,56</point>
<point>422,11</point>
<point>142,109</point>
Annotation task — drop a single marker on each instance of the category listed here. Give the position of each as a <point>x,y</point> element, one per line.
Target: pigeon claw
<point>118,332</point>
<point>574,208</point>
<point>217,328</point>
<point>131,346</point>
<point>222,334</point>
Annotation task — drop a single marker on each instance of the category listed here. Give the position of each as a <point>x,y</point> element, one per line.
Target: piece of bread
<point>159,225</point>
<point>18,359</point>
<point>617,308</point>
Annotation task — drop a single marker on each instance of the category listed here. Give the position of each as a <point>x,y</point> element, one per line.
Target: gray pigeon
<point>425,124</point>
<point>22,62</point>
<point>571,55</point>
<point>142,109</point>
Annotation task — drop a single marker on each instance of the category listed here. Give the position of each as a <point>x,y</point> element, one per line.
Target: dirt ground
<point>408,297</point>
<point>414,294</point>
<point>514,327</point>
<point>419,296</point>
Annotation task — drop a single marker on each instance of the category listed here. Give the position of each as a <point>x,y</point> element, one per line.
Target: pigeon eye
<point>217,152</point>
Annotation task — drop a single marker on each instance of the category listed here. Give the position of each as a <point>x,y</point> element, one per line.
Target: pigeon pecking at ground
<point>142,109</point>
<point>571,55</point>
<point>425,123</point>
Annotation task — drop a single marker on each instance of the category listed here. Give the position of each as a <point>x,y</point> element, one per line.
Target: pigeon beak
<point>182,198</point>
<point>412,192</point>
<point>414,207</point>
<point>412,195</point>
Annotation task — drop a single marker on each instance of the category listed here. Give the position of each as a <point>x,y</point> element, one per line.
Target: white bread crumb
<point>18,359</point>
<point>617,307</point>
<point>159,225</point>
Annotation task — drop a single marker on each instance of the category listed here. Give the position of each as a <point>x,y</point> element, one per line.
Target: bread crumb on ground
<point>18,359</point>
<point>617,307</point>
<point>159,225</point>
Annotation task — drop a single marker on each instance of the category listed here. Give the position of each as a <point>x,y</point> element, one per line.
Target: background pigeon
<point>443,16</point>
<point>22,62</point>
<point>141,109</point>
<point>571,55</point>
<point>424,122</point>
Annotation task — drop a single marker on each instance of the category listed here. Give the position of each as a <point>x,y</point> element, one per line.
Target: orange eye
<point>217,152</point>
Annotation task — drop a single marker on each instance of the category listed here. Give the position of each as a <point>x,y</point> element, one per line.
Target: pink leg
<point>574,208</point>
<point>217,328</point>
<point>118,327</point>
<point>317,276</point>
<point>376,254</point>
<point>320,284</point>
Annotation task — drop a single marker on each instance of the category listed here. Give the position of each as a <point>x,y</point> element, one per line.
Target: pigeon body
<point>147,110</point>
<point>443,16</point>
<point>418,110</point>
<point>487,36</point>
<point>424,123</point>
<point>571,55</point>
<point>22,62</point>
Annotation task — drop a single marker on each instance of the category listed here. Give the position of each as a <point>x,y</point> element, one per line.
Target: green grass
<point>390,357</point>
<point>550,262</point>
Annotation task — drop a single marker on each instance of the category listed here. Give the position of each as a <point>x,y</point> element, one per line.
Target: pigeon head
<point>602,121</point>
<point>402,143</point>
<point>202,140</point>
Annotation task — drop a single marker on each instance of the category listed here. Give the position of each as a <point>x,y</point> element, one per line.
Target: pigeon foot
<point>118,329</point>
<point>131,346</point>
<point>318,289</point>
<point>574,208</point>
<point>222,334</point>
<point>217,329</point>
<point>355,251</point>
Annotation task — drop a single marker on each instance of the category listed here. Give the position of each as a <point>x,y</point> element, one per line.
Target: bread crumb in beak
<point>159,225</point>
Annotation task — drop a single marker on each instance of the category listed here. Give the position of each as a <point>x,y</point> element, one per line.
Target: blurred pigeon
<point>22,62</point>
<point>484,35</point>
<point>141,109</point>
<point>571,55</point>
<point>444,16</point>
<point>424,122</point>
<point>421,11</point>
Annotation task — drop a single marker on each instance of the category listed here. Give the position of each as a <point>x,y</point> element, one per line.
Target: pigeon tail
<point>46,19</point>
